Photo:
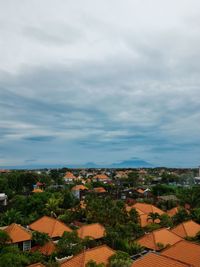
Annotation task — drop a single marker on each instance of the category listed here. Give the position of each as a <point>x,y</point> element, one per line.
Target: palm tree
<point>153,216</point>
<point>52,206</point>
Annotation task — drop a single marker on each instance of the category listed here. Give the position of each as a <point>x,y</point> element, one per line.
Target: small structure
<point>94,231</point>
<point>3,199</point>
<point>77,189</point>
<point>20,236</point>
<point>101,178</point>
<point>70,177</point>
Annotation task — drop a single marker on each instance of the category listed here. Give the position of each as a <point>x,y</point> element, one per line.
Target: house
<point>20,236</point>
<point>37,190</point>
<point>187,229</point>
<point>94,231</point>
<point>69,177</point>
<point>158,239</point>
<point>77,189</point>
<point>144,210</point>
<point>99,190</point>
<point>153,259</point>
<point>53,227</point>
<point>184,251</point>
<point>47,249</point>
<point>99,254</point>
<point>101,178</point>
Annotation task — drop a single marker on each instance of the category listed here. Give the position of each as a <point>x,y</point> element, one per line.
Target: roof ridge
<point>166,256</point>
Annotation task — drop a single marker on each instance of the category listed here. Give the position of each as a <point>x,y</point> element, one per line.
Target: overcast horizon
<point>99,81</point>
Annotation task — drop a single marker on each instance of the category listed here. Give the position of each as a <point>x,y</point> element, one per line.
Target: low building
<point>20,236</point>
<point>187,229</point>
<point>3,199</point>
<point>94,231</point>
<point>53,227</point>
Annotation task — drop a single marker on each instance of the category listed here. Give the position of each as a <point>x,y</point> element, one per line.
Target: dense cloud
<point>99,81</point>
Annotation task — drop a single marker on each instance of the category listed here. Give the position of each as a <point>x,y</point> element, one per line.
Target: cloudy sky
<point>99,81</point>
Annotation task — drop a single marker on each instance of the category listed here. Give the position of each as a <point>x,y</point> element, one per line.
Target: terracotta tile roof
<point>152,259</point>
<point>172,212</point>
<point>79,187</point>
<point>101,177</point>
<point>69,175</point>
<point>184,251</point>
<point>99,190</point>
<point>37,190</point>
<point>147,208</point>
<point>18,233</point>
<point>94,230</point>
<point>140,191</point>
<point>160,236</point>
<point>47,249</point>
<point>36,265</point>
<point>50,226</point>
<point>144,220</point>
<point>187,229</point>
<point>99,254</point>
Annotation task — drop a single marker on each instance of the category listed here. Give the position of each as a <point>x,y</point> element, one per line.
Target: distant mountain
<point>132,163</point>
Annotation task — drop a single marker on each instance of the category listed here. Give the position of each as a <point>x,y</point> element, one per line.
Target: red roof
<point>94,230</point>
<point>101,177</point>
<point>99,254</point>
<point>18,233</point>
<point>152,259</point>
<point>69,175</point>
<point>50,226</point>
<point>187,229</point>
<point>47,249</point>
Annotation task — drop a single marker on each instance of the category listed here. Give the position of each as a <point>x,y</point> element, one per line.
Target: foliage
<point>94,264</point>
<point>69,244</point>
<point>11,256</point>
<point>120,259</point>
<point>40,238</point>
<point>165,220</point>
<point>153,216</point>
<point>181,216</point>
<point>4,238</point>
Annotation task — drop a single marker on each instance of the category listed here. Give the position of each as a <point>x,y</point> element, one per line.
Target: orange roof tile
<point>161,236</point>
<point>99,254</point>
<point>50,226</point>
<point>95,231</point>
<point>18,233</point>
<point>184,251</point>
<point>187,229</point>
<point>36,265</point>
<point>37,190</point>
<point>147,208</point>
<point>47,249</point>
<point>101,176</point>
<point>79,187</point>
<point>99,190</point>
<point>152,259</point>
<point>69,175</point>
<point>172,212</point>
<point>145,220</point>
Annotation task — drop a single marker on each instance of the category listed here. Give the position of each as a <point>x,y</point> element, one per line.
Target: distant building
<point>3,199</point>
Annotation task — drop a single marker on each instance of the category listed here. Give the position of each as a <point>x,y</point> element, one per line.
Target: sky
<point>99,81</point>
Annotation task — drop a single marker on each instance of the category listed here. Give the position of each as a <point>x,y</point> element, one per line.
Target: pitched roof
<point>79,187</point>
<point>50,226</point>
<point>187,229</point>
<point>99,254</point>
<point>69,175</point>
<point>184,251</point>
<point>145,220</point>
<point>101,176</point>
<point>47,249</point>
<point>18,233</point>
<point>147,208</point>
<point>95,230</point>
<point>172,212</point>
<point>161,236</point>
<point>152,259</point>
<point>99,190</point>
<point>37,190</point>
<point>36,265</point>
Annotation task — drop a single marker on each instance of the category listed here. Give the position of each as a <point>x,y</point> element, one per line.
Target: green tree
<point>120,259</point>
<point>153,216</point>
<point>4,238</point>
<point>69,244</point>
<point>40,238</point>
<point>11,256</point>
<point>11,216</point>
<point>94,264</point>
